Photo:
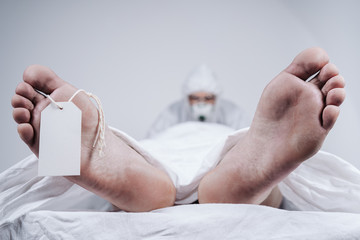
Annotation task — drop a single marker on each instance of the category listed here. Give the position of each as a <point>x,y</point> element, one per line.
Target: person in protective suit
<point>201,101</point>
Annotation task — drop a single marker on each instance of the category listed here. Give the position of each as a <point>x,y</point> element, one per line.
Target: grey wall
<point>135,54</point>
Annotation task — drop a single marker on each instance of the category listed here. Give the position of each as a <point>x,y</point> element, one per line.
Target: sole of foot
<point>292,120</point>
<point>121,176</point>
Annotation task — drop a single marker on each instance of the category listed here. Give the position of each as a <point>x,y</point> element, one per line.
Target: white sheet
<point>53,208</point>
<point>208,221</point>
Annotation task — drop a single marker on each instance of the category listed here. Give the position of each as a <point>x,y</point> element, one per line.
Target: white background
<point>134,55</point>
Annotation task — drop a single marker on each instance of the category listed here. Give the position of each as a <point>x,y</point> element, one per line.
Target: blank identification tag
<point>60,140</point>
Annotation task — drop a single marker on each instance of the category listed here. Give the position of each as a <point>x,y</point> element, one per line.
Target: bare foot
<point>121,176</point>
<point>292,119</point>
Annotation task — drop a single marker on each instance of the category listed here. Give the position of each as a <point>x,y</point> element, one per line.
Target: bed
<point>322,202</point>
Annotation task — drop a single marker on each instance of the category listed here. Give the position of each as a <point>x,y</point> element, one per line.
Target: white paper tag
<point>60,140</point>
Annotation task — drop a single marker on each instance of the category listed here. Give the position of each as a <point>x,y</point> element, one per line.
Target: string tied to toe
<point>100,135</point>
<point>50,98</point>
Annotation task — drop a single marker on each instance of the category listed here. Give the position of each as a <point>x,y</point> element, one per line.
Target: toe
<point>308,62</point>
<point>335,97</point>
<point>27,91</point>
<point>335,82</point>
<point>327,72</point>
<point>26,133</point>
<point>18,101</point>
<point>21,115</point>
<point>330,114</point>
<point>42,78</point>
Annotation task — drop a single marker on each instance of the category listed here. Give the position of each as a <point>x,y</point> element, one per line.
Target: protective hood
<point>201,79</point>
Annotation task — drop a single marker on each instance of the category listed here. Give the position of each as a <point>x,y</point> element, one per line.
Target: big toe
<point>42,78</point>
<point>308,62</point>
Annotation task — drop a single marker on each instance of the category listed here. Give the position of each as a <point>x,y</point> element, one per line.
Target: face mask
<point>202,111</point>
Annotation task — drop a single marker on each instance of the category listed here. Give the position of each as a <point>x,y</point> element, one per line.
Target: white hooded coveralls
<point>201,79</point>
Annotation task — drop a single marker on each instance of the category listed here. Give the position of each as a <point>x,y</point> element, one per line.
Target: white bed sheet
<point>325,188</point>
<point>208,221</point>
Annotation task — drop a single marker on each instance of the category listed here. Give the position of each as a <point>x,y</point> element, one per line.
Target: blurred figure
<point>201,101</point>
